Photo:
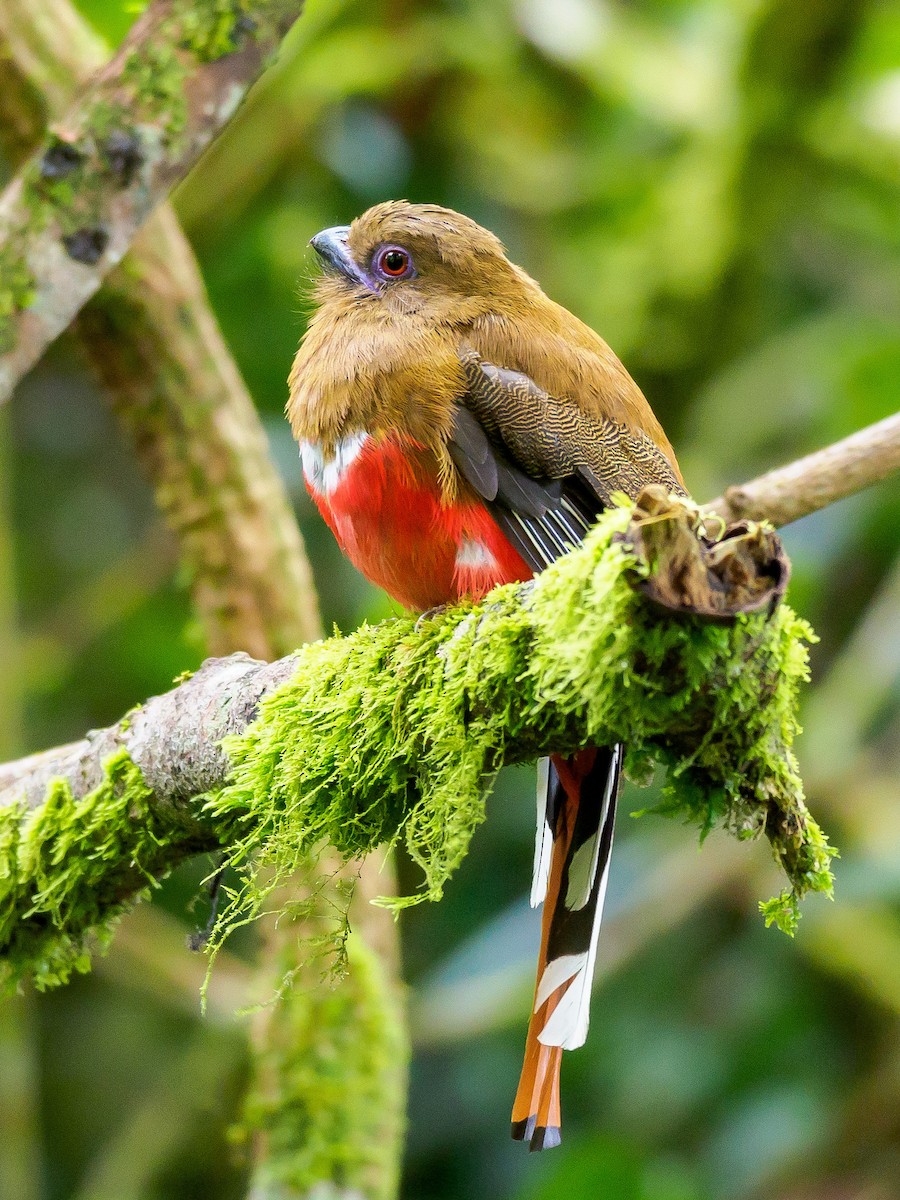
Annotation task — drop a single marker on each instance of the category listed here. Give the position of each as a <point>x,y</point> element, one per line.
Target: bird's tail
<point>576,812</point>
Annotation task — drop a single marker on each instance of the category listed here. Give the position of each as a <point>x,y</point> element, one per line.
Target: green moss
<point>65,868</point>
<point>397,732</point>
<point>737,682</point>
<point>394,733</point>
<point>212,29</point>
<point>16,292</point>
<point>330,1085</point>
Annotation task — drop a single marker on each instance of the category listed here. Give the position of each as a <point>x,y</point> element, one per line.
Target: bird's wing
<point>543,518</point>
<point>544,467</point>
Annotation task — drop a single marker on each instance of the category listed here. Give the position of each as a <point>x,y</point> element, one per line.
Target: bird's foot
<point>428,614</point>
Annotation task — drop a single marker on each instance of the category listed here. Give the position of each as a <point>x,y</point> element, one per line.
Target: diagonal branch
<point>73,210</point>
<point>803,487</point>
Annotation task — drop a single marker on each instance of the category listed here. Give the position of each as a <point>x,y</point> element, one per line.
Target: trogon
<point>458,429</point>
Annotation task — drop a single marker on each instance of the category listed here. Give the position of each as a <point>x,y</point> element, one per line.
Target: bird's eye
<point>393,263</point>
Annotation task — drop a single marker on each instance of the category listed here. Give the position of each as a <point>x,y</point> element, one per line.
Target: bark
<point>174,740</point>
<point>819,479</point>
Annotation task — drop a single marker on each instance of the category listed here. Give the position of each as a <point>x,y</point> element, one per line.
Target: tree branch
<point>353,739</point>
<point>71,213</point>
<point>819,479</point>
<point>154,343</point>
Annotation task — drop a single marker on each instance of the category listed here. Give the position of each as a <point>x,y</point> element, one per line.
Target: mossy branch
<point>152,339</point>
<point>397,731</point>
<point>72,211</point>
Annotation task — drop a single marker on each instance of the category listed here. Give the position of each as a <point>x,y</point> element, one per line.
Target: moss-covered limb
<point>150,335</point>
<point>403,728</point>
<point>73,210</point>
<point>397,731</point>
<point>329,1095</point>
<point>85,831</point>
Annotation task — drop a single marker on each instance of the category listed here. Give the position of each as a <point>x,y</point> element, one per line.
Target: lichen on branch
<point>396,732</point>
<point>73,209</point>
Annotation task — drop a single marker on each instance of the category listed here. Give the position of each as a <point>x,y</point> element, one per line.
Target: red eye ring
<point>393,262</point>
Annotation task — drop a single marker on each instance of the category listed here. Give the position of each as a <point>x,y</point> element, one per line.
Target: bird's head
<point>408,254</point>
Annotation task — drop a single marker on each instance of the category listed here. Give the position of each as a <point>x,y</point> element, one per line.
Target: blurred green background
<point>714,186</point>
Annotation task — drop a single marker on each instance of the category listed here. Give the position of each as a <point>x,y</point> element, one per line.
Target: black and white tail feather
<point>571,951</point>
<point>577,800</point>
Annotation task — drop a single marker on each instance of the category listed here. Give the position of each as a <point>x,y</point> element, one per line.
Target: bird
<point>458,429</point>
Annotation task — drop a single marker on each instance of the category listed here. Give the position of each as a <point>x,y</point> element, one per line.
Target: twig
<point>819,479</point>
<point>72,212</point>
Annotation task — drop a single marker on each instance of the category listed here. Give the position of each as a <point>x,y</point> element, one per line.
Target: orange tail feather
<point>536,1115</point>
<point>580,814</point>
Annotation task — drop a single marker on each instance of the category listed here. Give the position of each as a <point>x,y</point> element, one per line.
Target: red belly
<point>386,512</point>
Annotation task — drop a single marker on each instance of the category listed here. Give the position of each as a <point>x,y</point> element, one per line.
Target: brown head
<point>401,287</point>
<point>406,256</point>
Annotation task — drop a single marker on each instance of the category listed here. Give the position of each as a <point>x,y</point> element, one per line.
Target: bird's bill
<point>331,246</point>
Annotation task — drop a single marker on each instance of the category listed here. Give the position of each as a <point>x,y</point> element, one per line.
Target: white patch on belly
<point>474,555</point>
<point>323,474</point>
